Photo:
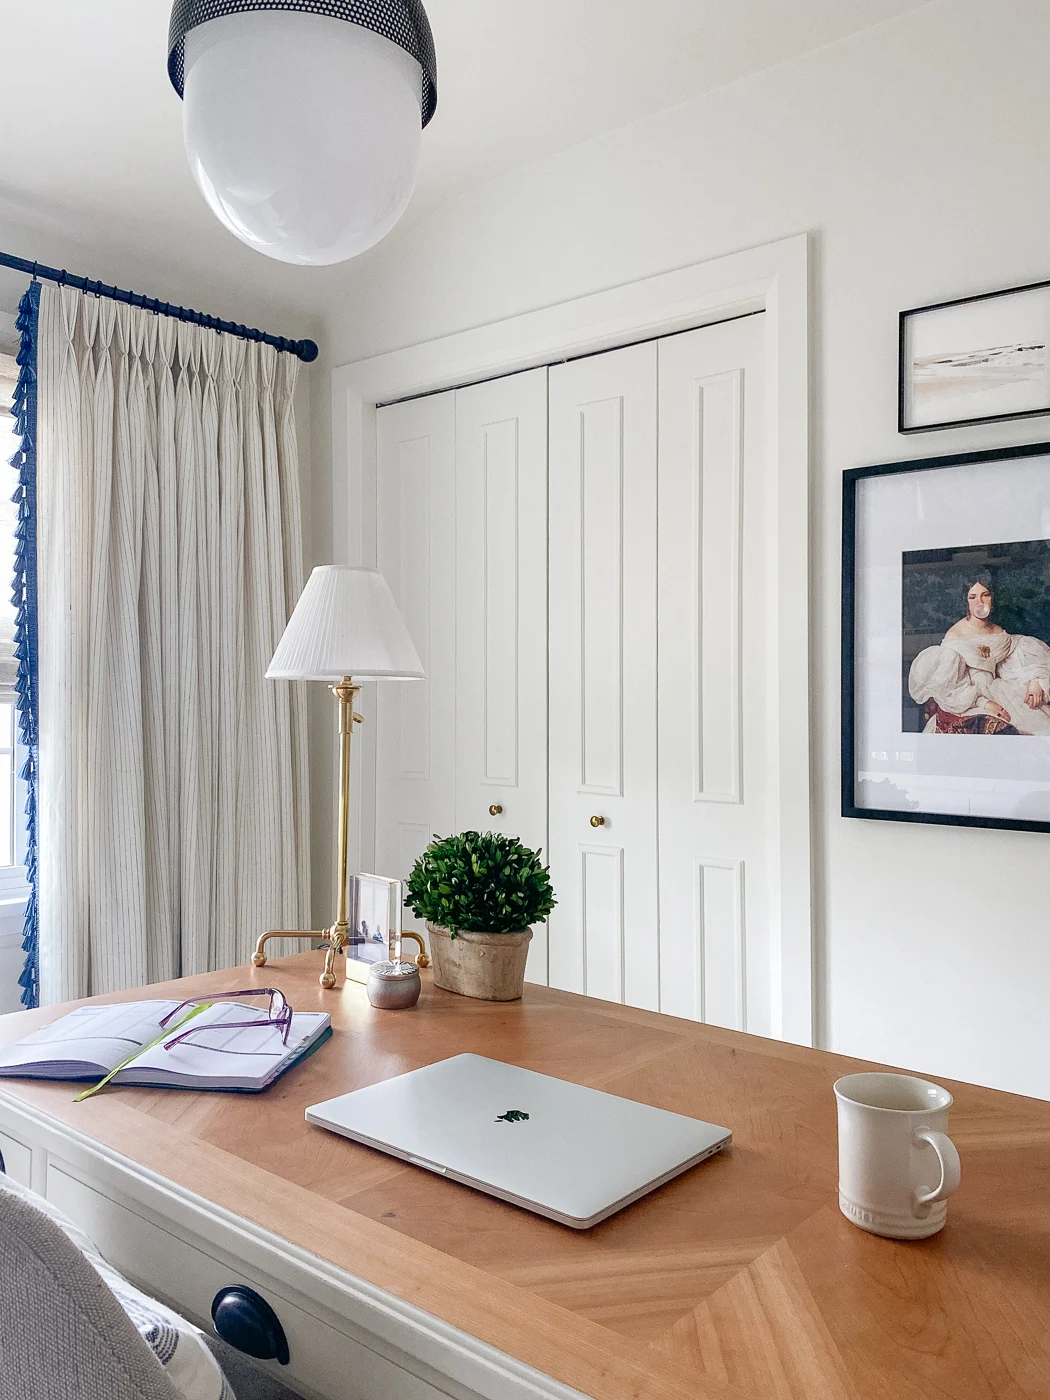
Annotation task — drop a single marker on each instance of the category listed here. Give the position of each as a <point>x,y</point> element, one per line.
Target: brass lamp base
<point>355,971</point>
<point>338,936</point>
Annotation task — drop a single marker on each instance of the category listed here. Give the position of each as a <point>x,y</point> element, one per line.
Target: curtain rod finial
<point>307,351</point>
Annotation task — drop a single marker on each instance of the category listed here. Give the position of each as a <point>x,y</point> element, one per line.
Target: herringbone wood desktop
<point>739,1279</point>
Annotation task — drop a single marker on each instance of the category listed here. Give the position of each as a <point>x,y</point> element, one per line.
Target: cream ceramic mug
<point>897,1165</point>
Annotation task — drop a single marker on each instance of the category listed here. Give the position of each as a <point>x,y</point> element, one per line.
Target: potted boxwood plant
<point>479,894</point>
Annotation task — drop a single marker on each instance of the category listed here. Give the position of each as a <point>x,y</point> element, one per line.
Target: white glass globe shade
<point>302,131</point>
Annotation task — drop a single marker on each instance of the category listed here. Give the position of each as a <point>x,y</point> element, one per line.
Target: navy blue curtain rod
<point>306,350</point>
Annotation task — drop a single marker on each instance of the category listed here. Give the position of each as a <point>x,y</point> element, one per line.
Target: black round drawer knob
<point>245,1320</point>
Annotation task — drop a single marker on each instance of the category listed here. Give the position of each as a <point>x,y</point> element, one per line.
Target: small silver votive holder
<point>393,986</point>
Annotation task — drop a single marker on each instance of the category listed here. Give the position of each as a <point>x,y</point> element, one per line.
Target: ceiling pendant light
<point>303,118</point>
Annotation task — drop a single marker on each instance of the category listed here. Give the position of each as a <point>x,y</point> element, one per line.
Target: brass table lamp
<point>345,628</point>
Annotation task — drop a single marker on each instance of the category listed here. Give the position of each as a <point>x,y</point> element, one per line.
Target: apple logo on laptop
<point>513,1115</point>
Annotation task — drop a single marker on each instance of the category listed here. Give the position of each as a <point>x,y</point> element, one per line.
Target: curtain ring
<point>62,278</point>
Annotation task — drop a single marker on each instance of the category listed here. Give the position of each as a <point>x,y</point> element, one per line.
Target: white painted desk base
<point>348,1339</point>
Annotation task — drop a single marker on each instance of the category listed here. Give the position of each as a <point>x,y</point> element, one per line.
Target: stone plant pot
<point>486,966</point>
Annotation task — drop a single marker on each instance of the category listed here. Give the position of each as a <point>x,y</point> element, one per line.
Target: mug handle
<point>948,1156</point>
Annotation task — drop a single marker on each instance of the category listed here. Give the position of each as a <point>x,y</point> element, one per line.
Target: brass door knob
<point>597,821</point>
<point>495,810</point>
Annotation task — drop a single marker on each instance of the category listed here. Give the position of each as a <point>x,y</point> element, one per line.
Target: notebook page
<point>94,1037</point>
<point>219,1052</point>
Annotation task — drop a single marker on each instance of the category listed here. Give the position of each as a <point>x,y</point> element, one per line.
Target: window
<point>13,885</point>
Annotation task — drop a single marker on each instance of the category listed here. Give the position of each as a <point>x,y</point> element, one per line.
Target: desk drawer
<point>18,1159</point>
<point>324,1361</point>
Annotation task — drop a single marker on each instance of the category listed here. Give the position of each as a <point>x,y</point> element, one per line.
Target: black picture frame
<point>850,480</point>
<point>902,345</point>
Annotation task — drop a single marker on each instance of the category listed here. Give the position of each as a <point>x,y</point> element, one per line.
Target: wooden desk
<point>740,1279</point>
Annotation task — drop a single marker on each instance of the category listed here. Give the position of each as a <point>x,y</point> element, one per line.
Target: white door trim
<point>772,278</point>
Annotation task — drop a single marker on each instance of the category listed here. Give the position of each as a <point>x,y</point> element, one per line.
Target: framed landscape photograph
<point>976,360</point>
<point>946,640</point>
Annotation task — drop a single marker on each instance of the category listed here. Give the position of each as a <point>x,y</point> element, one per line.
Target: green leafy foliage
<point>480,882</point>
<point>513,1115</point>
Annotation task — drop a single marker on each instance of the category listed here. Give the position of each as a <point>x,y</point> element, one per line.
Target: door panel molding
<point>414,481</point>
<point>716,568</point>
<point>719,903</point>
<point>502,622</point>
<point>602,922</point>
<point>601,450</point>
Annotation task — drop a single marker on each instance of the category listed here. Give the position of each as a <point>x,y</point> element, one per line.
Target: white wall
<point>918,155</point>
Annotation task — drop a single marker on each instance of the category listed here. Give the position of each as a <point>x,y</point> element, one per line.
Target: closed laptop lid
<point>568,1152</point>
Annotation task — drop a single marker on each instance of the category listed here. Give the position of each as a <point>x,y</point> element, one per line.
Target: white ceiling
<point>92,135</point>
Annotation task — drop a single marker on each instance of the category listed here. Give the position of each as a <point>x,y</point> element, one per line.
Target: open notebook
<point>91,1041</point>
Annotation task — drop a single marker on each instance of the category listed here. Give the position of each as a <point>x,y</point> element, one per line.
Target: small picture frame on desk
<point>980,359</point>
<point>375,924</point>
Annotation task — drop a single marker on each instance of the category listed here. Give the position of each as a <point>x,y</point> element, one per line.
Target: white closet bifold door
<point>718,649</point>
<point>604,934</point>
<point>501,608</point>
<point>416,722</point>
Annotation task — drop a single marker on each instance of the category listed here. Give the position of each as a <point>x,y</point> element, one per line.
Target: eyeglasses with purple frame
<point>279,1015</point>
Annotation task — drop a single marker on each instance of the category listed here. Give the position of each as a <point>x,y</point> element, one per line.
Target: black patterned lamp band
<point>403,22</point>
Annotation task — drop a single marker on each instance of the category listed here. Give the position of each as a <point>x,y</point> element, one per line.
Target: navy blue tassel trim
<point>24,597</point>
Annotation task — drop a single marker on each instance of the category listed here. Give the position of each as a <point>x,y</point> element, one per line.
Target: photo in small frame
<point>375,923</point>
<point>976,360</point>
<point>946,640</point>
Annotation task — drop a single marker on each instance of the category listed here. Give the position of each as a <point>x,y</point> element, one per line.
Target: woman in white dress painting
<point>982,680</point>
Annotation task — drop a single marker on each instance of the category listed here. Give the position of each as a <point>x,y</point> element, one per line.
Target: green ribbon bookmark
<point>166,1035</point>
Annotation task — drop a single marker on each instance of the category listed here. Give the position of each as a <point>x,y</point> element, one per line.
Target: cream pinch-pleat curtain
<point>173,776</point>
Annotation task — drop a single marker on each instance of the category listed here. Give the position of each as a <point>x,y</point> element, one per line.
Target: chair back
<point>63,1336</point>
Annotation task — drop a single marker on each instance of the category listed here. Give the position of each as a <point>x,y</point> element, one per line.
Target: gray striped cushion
<point>177,1344</point>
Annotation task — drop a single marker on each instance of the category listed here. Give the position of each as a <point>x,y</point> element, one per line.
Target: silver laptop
<point>572,1154</point>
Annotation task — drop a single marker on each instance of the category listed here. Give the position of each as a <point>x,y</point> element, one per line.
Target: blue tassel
<point>24,596</point>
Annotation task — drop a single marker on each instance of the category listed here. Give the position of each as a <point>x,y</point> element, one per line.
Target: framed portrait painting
<point>946,640</point>
<point>976,360</point>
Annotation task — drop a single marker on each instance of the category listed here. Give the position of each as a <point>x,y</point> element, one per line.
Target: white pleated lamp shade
<point>345,624</point>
